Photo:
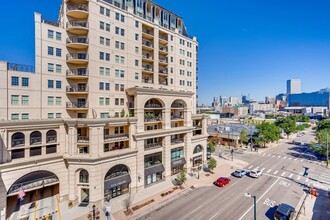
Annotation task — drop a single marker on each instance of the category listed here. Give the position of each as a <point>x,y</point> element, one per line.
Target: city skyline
<point>251,44</point>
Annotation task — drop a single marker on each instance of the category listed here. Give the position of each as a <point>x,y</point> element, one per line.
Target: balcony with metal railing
<point>152,146</point>
<point>163,60</point>
<point>163,71</point>
<point>148,34</point>
<point>148,80</point>
<point>78,27</point>
<point>77,89</point>
<point>115,137</point>
<point>147,45</point>
<point>147,68</point>
<point>82,139</point>
<point>20,68</point>
<point>163,82</point>
<point>147,57</point>
<point>177,141</point>
<point>79,42</point>
<point>79,73</point>
<point>177,117</point>
<point>76,106</point>
<point>77,58</point>
<point>78,11</point>
<point>163,39</point>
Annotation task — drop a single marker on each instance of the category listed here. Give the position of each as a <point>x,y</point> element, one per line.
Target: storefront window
<point>153,178</point>
<point>198,149</point>
<point>177,153</point>
<point>153,159</point>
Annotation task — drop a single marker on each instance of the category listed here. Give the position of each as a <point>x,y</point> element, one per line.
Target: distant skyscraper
<point>245,99</point>
<point>233,101</point>
<point>293,86</point>
<point>215,102</point>
<point>223,101</point>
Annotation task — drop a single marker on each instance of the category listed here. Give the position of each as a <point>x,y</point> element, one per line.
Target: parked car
<point>255,173</point>
<point>240,173</point>
<point>222,181</point>
<point>283,212</point>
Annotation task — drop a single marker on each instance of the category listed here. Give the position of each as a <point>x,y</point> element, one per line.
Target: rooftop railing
<point>20,68</point>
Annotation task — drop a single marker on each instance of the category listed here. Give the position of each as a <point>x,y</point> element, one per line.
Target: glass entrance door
<point>85,195</point>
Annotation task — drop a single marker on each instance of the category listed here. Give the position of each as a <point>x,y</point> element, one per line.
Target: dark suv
<point>284,212</point>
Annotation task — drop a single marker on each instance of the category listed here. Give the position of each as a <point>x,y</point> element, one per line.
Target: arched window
<point>35,137</point>
<point>83,176</point>
<point>51,136</point>
<point>18,139</point>
<point>198,149</point>
<point>117,170</point>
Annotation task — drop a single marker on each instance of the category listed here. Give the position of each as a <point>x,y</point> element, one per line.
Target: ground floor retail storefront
<point>153,174</point>
<point>177,165</point>
<point>197,161</point>
<point>117,182</point>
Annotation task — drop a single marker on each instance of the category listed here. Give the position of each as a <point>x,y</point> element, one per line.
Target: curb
<point>299,205</point>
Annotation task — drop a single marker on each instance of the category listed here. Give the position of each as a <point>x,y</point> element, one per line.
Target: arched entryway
<point>198,156</point>
<point>34,195</point>
<point>116,181</point>
<point>82,176</point>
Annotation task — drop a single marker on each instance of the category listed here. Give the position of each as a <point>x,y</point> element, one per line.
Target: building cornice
<point>147,91</point>
<point>200,116</point>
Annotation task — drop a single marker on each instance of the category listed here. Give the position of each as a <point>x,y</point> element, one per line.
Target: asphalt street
<point>283,181</point>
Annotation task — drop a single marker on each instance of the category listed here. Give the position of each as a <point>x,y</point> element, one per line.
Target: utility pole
<point>255,207</point>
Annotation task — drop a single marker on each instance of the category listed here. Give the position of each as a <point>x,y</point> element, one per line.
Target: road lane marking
<point>284,157</point>
<point>263,169</point>
<point>298,178</point>
<point>290,175</point>
<point>197,208</point>
<point>269,170</point>
<point>250,167</point>
<point>296,159</point>
<point>278,156</point>
<point>258,199</point>
<point>301,173</point>
<point>275,172</point>
<point>302,160</point>
<point>290,158</point>
<point>283,174</point>
<point>213,215</point>
<point>307,180</point>
<point>273,156</point>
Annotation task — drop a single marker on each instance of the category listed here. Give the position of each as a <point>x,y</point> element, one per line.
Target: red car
<point>222,181</point>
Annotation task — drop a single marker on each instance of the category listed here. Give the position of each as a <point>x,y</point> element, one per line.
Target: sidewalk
<point>153,196</point>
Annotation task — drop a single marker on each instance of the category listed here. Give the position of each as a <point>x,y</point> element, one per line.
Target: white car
<point>255,173</point>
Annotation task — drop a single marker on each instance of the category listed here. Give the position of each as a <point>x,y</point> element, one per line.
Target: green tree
<point>211,146</point>
<point>322,125</point>
<point>243,136</point>
<point>288,128</point>
<point>182,177</point>
<point>266,133</point>
<point>304,118</point>
<point>212,164</point>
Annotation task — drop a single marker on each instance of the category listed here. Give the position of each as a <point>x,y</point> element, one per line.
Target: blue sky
<point>245,47</point>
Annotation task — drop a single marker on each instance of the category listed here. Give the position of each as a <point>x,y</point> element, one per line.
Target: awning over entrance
<point>198,158</point>
<point>154,169</point>
<point>178,162</point>
<point>118,181</point>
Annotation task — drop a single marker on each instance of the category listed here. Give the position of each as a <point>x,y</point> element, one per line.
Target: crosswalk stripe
<point>257,167</point>
<point>263,169</point>
<point>302,160</point>
<point>269,170</point>
<point>283,174</point>
<point>263,154</point>
<point>278,156</point>
<point>301,173</point>
<point>275,172</point>
<point>273,156</point>
<point>307,180</point>
<point>298,178</point>
<point>284,157</point>
<point>250,167</point>
<point>290,175</point>
<point>290,158</point>
<point>296,159</point>
<point>268,155</point>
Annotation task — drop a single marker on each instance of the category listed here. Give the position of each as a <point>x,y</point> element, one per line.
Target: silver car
<point>240,173</point>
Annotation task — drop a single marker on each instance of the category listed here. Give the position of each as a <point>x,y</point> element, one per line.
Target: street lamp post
<point>254,202</point>
<point>94,208</point>
<point>327,147</point>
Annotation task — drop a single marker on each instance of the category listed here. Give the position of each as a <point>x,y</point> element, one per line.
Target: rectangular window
<point>14,99</point>
<point>122,87</point>
<point>136,49</point>
<point>58,52</point>
<point>101,40</point>
<point>50,115</point>
<point>107,86</point>
<point>101,10</point>
<point>116,101</point>
<point>171,80</point>
<point>136,36</point>
<point>136,76</point>
<point>107,56</point>
<point>136,24</point>
<point>117,87</point>
<point>107,71</point>
<point>117,59</point>
<point>25,81</point>
<point>58,115</point>
<point>116,73</point>
<point>101,101</point>
<point>122,46</point>
<point>14,116</point>
<point>101,86</point>
<point>105,115</point>
<point>58,36</point>
<point>58,100</point>
<point>107,13</point>
<point>117,44</point>
<point>117,16</point>
<point>107,41</point>
<point>50,84</point>
<point>101,71</point>
<point>58,68</point>
<point>101,25</point>
<point>122,101</point>
<point>122,73</point>
<point>107,27</point>
<point>101,55</point>
<point>107,101</point>
<point>58,84</point>
<point>122,60</point>
<point>122,18</point>
<point>50,100</point>
<point>25,115</point>
<point>50,67</point>
<point>50,34</point>
<point>136,62</point>
<point>50,50</point>
<point>117,30</point>
<point>25,100</point>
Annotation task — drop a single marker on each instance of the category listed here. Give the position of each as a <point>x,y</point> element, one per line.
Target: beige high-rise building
<point>109,106</point>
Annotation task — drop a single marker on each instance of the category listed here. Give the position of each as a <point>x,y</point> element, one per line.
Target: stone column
<point>96,139</point>
<point>166,118</point>
<point>188,150</point>
<point>72,140</point>
<point>140,165</point>
<point>167,156</point>
<point>4,157</point>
